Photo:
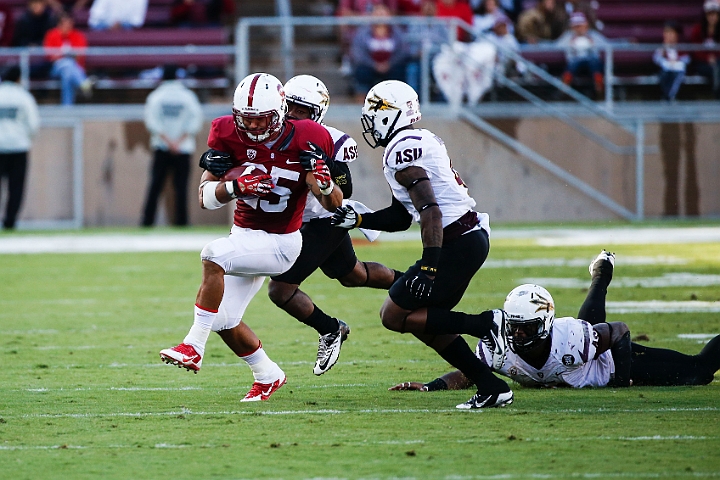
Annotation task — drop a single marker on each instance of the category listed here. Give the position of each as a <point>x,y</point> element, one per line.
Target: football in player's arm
<point>548,352</point>
<point>253,181</point>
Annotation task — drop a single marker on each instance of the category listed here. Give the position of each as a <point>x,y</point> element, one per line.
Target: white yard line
<point>667,280</point>
<point>381,411</point>
<point>156,242</point>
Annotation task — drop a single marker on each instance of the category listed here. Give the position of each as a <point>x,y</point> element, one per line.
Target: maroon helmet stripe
<point>252,89</point>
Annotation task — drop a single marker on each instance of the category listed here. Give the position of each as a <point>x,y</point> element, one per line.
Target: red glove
<point>253,181</point>
<point>321,172</point>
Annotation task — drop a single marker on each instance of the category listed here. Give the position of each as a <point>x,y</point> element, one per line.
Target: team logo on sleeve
<point>568,360</point>
<point>251,153</point>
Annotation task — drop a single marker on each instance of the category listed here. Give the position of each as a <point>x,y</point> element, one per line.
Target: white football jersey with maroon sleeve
<point>424,149</point>
<point>571,362</point>
<point>345,150</point>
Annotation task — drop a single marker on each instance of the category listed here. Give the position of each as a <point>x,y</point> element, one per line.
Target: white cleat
<point>603,264</point>
<point>480,400</point>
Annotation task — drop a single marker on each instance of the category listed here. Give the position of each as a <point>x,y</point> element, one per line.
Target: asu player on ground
<point>547,352</point>
<point>455,238</point>
<point>324,247</point>
<point>270,193</point>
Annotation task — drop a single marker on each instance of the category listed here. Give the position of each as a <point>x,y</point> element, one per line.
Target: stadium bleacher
<point>634,22</point>
<point>121,72</point>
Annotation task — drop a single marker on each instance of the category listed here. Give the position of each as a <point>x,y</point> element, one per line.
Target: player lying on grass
<point>547,352</point>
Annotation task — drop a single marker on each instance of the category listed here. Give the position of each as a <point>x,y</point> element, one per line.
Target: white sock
<point>200,331</point>
<point>264,370</point>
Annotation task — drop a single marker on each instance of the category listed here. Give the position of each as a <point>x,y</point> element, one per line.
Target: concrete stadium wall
<point>679,181</point>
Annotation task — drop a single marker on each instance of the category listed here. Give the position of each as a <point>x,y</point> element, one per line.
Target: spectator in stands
<point>378,53</point>
<point>33,24</point>
<point>511,8</point>
<point>501,33</point>
<point>545,21</point>
<point>19,121</point>
<point>6,26</point>
<point>173,116</point>
<point>353,8</point>
<point>116,14</point>
<point>485,15</point>
<point>672,63</point>
<point>457,9</point>
<point>419,37</point>
<point>68,64</point>
<point>582,51</point>
<point>707,32</point>
<point>588,8</point>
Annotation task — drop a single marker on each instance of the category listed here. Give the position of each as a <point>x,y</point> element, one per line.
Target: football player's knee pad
<point>225,322</point>
<point>218,252</point>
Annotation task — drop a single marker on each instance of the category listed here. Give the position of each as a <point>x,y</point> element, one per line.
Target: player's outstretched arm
<point>394,218</point>
<point>450,381</point>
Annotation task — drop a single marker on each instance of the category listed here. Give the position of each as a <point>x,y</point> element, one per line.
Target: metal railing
<point>28,56</point>
<point>634,127</point>
<point>608,55</point>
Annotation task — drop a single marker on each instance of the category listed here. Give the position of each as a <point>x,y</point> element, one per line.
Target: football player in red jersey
<point>270,189</point>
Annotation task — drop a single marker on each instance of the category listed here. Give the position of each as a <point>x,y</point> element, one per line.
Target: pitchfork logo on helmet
<point>530,312</point>
<point>259,106</point>
<point>309,92</point>
<point>389,106</point>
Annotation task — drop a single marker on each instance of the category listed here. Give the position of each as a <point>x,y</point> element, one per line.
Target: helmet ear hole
<point>385,120</point>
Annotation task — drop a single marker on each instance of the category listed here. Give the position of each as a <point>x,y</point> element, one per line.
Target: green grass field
<point>84,394</point>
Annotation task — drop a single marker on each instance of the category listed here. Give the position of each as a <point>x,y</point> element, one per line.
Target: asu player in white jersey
<point>548,352</point>
<point>324,246</point>
<point>455,238</point>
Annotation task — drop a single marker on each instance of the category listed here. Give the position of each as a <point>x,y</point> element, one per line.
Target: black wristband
<point>431,258</point>
<point>437,384</point>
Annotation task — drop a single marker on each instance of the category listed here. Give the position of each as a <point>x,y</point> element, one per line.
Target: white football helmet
<point>259,96</point>
<point>389,106</point>
<point>309,92</point>
<point>529,314</point>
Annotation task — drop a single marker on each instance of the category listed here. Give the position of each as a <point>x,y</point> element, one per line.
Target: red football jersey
<point>280,211</point>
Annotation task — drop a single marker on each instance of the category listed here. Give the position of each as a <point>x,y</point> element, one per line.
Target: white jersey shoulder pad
<point>574,341</point>
<point>411,147</point>
<point>345,147</point>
